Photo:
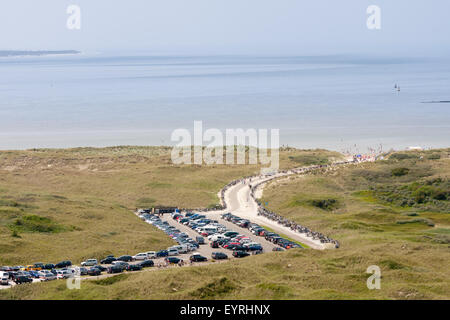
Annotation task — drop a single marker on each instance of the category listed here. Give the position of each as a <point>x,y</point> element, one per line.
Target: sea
<point>346,103</point>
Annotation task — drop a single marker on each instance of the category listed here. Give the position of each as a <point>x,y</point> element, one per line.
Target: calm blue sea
<point>334,102</point>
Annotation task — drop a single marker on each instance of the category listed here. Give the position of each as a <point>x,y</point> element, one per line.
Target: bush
<point>404,156</point>
<point>434,156</point>
<point>398,172</point>
<point>325,204</point>
<point>426,221</point>
<point>34,223</point>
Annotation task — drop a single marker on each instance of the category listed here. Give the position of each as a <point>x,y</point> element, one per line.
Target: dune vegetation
<point>58,204</point>
<point>373,209</point>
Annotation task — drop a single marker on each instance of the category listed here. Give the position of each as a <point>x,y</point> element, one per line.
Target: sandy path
<point>240,203</point>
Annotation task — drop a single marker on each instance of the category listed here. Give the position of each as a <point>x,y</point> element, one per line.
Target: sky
<point>413,27</point>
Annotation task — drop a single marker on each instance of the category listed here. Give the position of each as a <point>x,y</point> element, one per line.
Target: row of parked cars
<point>219,235</point>
<point>19,275</point>
<point>260,231</point>
<point>185,244</point>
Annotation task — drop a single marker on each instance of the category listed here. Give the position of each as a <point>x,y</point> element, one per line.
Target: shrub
<point>324,204</point>
<point>34,223</point>
<point>398,172</point>
<point>404,156</point>
<point>434,156</point>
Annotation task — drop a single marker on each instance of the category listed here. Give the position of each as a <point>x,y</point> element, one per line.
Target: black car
<point>197,258</point>
<point>94,271</point>
<point>115,269</point>
<point>200,240</point>
<point>174,260</point>
<point>101,268</point>
<point>255,247</point>
<point>63,264</point>
<point>22,279</point>
<point>219,256</point>
<point>125,258</point>
<point>240,254</point>
<point>12,274</point>
<point>147,263</point>
<point>108,260</point>
<point>134,267</point>
<point>49,266</point>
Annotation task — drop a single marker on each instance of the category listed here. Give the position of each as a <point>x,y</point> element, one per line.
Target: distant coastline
<point>24,53</point>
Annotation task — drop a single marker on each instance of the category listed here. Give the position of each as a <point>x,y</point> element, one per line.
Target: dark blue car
<point>34,274</point>
<point>162,253</point>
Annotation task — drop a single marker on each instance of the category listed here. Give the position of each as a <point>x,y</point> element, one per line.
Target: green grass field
<point>374,209</point>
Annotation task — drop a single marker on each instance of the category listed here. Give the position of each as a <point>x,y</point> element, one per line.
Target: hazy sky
<point>413,27</point>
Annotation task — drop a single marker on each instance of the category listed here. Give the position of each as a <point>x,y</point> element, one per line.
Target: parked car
<point>146,263</point>
<point>140,256</point>
<point>29,267</point>
<point>101,268</point>
<point>277,249</point>
<point>22,279</point>
<point>63,264</point>
<point>120,264</point>
<point>4,278</point>
<point>47,276</point>
<point>34,274</point>
<point>219,256</point>
<point>63,274</point>
<point>83,271</point>
<point>172,252</point>
<point>162,253</point>
<point>94,271</point>
<point>196,257</point>
<point>114,269</point>
<point>214,244</point>
<point>172,260</point>
<point>125,258</point>
<point>49,266</point>
<point>151,254</point>
<point>134,267</point>
<point>240,254</point>
<point>230,234</point>
<point>255,247</point>
<point>38,266</point>
<point>89,263</point>
<point>108,260</point>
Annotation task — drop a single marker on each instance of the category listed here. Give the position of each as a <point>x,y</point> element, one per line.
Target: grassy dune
<point>76,203</point>
<point>367,216</point>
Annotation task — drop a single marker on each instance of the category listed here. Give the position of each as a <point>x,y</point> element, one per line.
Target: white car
<point>89,262</point>
<point>182,248</point>
<point>140,256</point>
<point>173,252</point>
<point>4,278</point>
<point>46,276</point>
<point>63,274</point>
<point>151,255</point>
<point>215,237</point>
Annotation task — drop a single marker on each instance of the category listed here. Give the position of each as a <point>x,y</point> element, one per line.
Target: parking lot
<point>159,262</point>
